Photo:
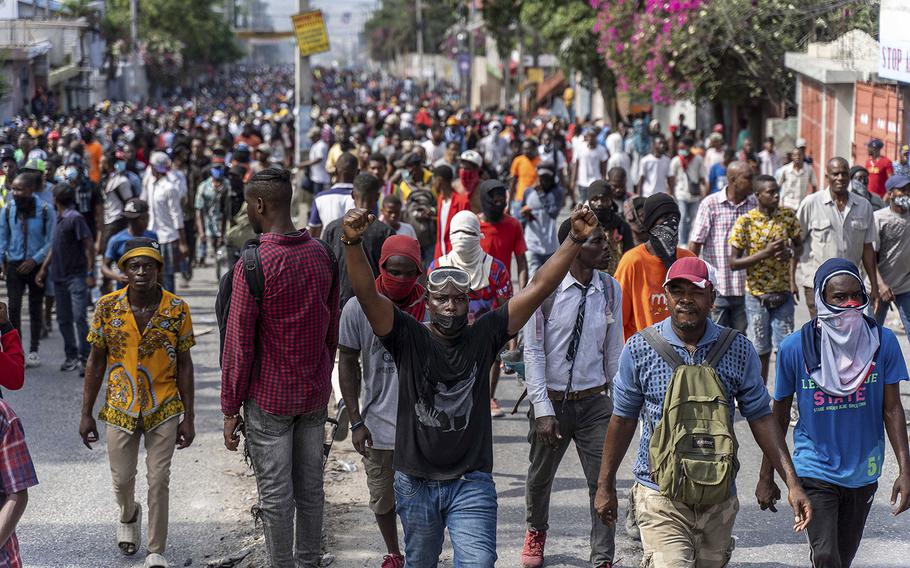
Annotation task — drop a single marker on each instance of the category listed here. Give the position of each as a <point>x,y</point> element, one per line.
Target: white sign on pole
<point>894,60</point>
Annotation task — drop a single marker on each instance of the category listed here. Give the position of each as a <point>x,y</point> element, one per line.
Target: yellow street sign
<point>309,27</point>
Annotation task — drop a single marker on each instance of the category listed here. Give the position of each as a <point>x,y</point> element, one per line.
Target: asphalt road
<point>71,515</point>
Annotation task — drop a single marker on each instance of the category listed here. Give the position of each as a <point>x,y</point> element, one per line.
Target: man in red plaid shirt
<point>277,365</point>
<point>17,473</point>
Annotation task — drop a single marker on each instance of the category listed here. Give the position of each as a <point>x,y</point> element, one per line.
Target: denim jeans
<point>72,303</point>
<point>535,261</point>
<point>581,193</point>
<point>467,506</point>
<point>170,252</point>
<point>902,303</point>
<point>687,213</point>
<point>768,328</point>
<point>286,452</point>
<point>730,311</point>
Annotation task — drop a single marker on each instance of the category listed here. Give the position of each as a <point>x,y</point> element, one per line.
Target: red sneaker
<point>532,553</point>
<point>392,561</point>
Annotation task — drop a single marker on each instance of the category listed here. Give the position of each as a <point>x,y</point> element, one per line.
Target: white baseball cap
<point>472,157</point>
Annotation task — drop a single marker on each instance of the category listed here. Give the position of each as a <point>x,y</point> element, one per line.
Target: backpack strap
<point>252,270</point>
<point>723,343</point>
<point>662,346</point>
<point>333,258</point>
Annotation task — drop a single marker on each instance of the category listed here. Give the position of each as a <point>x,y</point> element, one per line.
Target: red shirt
<point>297,324</point>
<point>503,239</point>
<point>879,172</point>
<point>12,359</point>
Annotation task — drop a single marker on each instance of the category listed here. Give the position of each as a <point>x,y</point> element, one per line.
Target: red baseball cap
<point>694,270</point>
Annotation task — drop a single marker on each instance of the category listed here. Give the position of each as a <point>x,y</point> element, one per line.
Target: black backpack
<point>255,280</point>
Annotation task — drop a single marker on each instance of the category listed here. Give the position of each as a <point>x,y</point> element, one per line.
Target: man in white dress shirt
<point>164,196</point>
<point>571,349</point>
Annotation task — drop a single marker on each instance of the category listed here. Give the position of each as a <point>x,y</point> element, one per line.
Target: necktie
<point>572,350</point>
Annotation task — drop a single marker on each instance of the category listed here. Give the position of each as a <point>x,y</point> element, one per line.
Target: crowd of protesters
<point>416,254</point>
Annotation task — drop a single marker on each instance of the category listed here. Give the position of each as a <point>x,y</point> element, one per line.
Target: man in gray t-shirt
<point>893,226</point>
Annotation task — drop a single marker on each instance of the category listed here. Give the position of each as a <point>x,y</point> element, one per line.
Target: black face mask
<point>665,239</point>
<point>491,211</point>
<point>607,216</point>
<point>449,325</point>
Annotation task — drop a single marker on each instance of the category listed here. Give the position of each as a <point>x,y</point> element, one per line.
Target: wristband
<point>356,425</point>
<point>231,417</point>
<point>351,243</point>
<point>576,240</point>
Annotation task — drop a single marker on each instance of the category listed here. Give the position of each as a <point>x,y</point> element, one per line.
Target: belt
<point>558,395</point>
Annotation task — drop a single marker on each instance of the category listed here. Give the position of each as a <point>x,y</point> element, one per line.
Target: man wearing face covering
<point>491,285</point>
<point>642,270</point>
<point>845,372</point>
<point>26,234</point>
<point>443,457</point>
<point>372,401</point>
<point>502,234</point>
<point>616,230</point>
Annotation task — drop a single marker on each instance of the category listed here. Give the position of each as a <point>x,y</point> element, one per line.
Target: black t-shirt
<point>375,235</point>
<point>444,427</point>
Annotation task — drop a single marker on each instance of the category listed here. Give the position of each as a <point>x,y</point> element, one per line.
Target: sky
<point>342,37</point>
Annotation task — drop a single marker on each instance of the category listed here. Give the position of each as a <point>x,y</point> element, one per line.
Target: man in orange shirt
<point>93,153</point>
<point>524,174</point>
<point>642,270</point>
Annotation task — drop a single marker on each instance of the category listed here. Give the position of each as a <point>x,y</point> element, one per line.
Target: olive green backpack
<point>693,446</point>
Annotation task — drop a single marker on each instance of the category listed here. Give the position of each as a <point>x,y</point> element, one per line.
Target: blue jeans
<point>730,311</point>
<point>768,328</point>
<point>287,454</point>
<point>581,193</point>
<point>170,252</point>
<point>72,302</point>
<point>902,302</point>
<point>535,261</point>
<point>467,506</point>
<point>687,213</point>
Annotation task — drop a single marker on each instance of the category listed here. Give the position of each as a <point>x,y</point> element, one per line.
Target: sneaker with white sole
<point>33,360</point>
<point>69,365</point>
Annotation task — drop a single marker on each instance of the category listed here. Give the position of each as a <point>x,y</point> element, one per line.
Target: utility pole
<point>520,79</point>
<point>418,8</point>
<point>470,31</point>
<point>303,94</point>
<point>134,29</point>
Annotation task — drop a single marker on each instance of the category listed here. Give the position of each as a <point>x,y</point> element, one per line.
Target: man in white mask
<point>845,372</point>
<point>491,286</point>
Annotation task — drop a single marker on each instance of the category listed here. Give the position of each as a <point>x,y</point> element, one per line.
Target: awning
<point>63,74</point>
<point>555,82</point>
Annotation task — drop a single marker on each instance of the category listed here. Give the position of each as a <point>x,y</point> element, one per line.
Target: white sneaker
<point>33,360</point>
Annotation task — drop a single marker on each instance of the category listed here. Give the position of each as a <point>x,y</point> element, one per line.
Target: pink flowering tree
<point>730,50</point>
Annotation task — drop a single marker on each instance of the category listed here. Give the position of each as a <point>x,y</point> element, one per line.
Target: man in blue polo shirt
<point>845,372</point>
<point>674,533</point>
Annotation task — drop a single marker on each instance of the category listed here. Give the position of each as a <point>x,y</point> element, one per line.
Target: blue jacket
<point>40,232</point>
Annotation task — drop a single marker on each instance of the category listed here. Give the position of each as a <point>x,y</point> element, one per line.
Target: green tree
<point>177,38</point>
<point>392,29</point>
<point>560,27</point>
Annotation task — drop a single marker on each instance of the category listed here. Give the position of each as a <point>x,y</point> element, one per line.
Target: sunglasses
<point>441,277</point>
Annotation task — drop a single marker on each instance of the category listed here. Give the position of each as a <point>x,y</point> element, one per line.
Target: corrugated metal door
<point>810,118</point>
<point>877,115</point>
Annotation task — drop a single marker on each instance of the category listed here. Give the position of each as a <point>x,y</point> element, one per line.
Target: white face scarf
<point>848,345</point>
<point>466,254</point>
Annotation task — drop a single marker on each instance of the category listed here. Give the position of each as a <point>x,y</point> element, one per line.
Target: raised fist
<point>355,223</point>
